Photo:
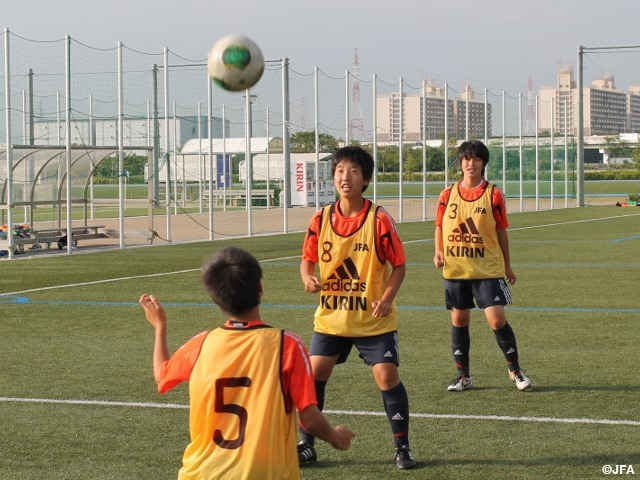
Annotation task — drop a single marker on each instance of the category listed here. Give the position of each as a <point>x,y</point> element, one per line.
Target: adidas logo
<point>347,270</point>
<point>457,352</point>
<point>397,416</point>
<point>467,232</point>
<point>497,299</point>
<point>468,226</point>
<point>345,278</point>
<point>388,354</point>
<point>511,350</point>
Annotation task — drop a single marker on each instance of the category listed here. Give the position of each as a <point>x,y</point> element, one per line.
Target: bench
<point>48,236</point>
<point>238,198</point>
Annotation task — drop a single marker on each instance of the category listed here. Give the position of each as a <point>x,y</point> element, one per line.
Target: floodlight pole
<point>7,103</point>
<point>580,126</point>
<point>580,132</point>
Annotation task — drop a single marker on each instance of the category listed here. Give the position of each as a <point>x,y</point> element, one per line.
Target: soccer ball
<point>235,63</point>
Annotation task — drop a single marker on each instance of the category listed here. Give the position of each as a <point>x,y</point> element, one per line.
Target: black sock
<point>507,342</point>
<point>306,437</point>
<point>460,346</point>
<point>396,404</point>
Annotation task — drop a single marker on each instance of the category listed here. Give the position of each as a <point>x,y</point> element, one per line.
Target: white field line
<point>135,277</point>
<point>504,418</point>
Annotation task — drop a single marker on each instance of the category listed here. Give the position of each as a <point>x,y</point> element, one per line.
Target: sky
<point>505,45</point>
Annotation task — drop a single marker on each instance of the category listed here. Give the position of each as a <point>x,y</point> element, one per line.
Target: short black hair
<point>232,278</point>
<point>474,149</point>
<point>357,155</point>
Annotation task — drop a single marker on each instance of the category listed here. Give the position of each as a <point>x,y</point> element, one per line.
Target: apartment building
<point>425,115</point>
<point>606,110</point>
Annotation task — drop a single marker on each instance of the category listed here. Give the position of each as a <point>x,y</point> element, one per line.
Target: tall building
<point>606,110</point>
<point>425,115</point>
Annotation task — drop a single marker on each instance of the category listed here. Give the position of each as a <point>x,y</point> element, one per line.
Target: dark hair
<point>232,277</point>
<point>357,155</point>
<point>474,149</point>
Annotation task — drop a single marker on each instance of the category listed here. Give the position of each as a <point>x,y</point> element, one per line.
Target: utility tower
<point>530,113</point>
<point>357,128</point>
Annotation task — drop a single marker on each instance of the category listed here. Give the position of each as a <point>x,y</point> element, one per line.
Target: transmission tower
<point>530,114</point>
<point>357,128</point>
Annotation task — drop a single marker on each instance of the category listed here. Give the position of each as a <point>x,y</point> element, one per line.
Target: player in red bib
<point>246,380</point>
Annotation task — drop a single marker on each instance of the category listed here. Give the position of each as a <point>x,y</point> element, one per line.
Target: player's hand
<point>345,438</point>
<point>153,310</point>
<point>438,260</point>
<point>511,277</point>
<point>312,284</point>
<point>381,308</point>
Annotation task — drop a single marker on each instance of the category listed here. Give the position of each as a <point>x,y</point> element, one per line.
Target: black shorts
<point>373,350</point>
<point>486,292</point>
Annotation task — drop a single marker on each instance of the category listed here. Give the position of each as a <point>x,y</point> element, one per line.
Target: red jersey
<point>388,243</point>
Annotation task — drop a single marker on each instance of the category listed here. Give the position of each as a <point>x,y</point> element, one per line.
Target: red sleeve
<point>178,368</point>
<point>297,373</point>
<point>389,244</point>
<point>443,200</point>
<point>310,245</point>
<point>499,209</point>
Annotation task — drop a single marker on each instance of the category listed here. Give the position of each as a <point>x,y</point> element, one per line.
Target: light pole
<point>248,160</point>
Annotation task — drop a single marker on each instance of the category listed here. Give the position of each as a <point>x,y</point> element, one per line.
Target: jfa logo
<point>361,247</point>
<point>618,470</point>
<point>480,210</point>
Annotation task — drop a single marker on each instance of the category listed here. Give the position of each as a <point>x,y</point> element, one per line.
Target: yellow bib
<point>240,425</point>
<point>352,276</point>
<point>470,241</point>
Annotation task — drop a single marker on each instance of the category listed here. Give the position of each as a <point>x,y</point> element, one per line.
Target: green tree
<point>388,159</point>
<point>615,147</point>
<point>305,142</point>
<point>635,156</point>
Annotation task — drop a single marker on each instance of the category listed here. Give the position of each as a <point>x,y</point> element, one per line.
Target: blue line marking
<point>26,300</point>
<point>618,240</point>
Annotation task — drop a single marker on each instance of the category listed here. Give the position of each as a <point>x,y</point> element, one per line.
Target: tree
<point>635,156</point>
<point>615,147</point>
<point>305,142</point>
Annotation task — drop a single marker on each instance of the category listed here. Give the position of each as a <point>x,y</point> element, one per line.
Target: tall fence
<point>76,101</point>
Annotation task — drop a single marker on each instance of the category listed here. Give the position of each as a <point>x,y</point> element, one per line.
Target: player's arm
<point>382,307</point>
<point>503,241</point>
<point>157,317</point>
<point>500,215</point>
<point>307,273</point>
<point>299,385</point>
<point>310,255</point>
<point>317,425</point>
<point>438,257</point>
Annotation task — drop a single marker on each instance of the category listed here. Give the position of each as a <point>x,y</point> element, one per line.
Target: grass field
<point>78,400</point>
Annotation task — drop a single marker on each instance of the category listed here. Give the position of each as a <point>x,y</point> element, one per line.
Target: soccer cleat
<point>459,384</point>
<point>522,381</point>
<point>404,458</point>
<point>306,453</point>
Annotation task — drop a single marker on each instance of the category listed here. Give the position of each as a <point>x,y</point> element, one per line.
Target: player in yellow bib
<point>246,380</point>
<point>361,267</point>
<point>472,248</point>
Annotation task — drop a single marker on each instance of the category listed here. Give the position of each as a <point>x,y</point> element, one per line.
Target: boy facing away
<point>246,380</point>
<point>472,248</point>
<point>361,268</point>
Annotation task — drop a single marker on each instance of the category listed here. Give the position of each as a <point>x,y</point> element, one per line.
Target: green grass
<point>74,337</point>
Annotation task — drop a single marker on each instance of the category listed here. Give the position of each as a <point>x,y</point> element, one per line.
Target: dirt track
<point>187,228</point>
